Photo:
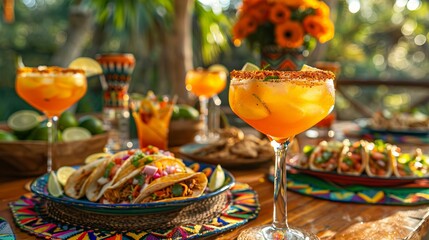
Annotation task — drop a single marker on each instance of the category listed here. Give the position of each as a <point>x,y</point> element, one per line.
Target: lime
<point>182,111</point>
<point>66,120</point>
<point>7,136</point>
<point>23,122</point>
<point>40,133</point>
<point>76,134</point>
<point>89,65</point>
<point>307,68</point>
<point>96,156</point>
<point>250,67</point>
<point>93,124</point>
<point>218,68</point>
<point>54,187</point>
<point>63,173</point>
<point>217,179</point>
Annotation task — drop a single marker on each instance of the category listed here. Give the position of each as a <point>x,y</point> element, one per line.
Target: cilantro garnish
<point>267,78</point>
<point>148,160</point>
<point>108,169</point>
<point>177,190</point>
<point>140,179</point>
<point>136,158</point>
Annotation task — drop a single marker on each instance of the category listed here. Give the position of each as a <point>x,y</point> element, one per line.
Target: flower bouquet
<point>295,25</point>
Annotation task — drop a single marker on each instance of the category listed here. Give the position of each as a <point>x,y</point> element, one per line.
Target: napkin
<point>6,232</point>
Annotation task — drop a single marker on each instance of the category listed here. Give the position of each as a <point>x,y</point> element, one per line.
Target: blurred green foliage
<point>374,39</point>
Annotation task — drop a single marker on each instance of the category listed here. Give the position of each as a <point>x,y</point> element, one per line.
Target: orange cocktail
<point>205,84</point>
<point>281,105</point>
<point>50,89</point>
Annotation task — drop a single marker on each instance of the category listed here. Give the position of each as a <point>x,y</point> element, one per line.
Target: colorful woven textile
<point>316,187</point>
<point>6,232</point>
<point>244,207</point>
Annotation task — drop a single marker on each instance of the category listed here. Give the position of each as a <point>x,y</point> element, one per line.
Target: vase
<point>274,57</point>
<point>117,71</point>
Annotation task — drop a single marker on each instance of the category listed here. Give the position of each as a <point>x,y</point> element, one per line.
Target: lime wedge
<point>54,187</point>
<point>217,179</point>
<point>64,173</point>
<point>89,65</point>
<point>218,68</point>
<point>23,122</point>
<point>308,68</point>
<point>250,67</point>
<point>96,156</point>
<point>75,134</point>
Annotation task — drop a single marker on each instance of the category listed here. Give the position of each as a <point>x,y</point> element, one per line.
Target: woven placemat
<point>319,188</point>
<point>202,212</point>
<point>241,206</point>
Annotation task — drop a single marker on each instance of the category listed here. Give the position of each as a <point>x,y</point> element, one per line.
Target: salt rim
<point>49,70</point>
<point>272,75</point>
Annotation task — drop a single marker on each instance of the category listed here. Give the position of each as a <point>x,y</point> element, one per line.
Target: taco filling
<point>353,160</point>
<point>379,162</point>
<point>128,191</point>
<point>176,190</point>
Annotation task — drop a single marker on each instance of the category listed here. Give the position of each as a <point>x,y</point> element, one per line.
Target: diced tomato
<point>118,161</point>
<point>113,171</point>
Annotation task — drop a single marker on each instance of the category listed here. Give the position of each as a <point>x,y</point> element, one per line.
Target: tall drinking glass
<point>51,90</point>
<point>281,105</point>
<point>205,84</point>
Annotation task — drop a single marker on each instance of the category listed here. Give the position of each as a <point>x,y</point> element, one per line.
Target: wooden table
<point>325,218</point>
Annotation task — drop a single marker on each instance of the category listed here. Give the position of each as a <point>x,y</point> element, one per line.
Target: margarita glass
<point>205,84</point>
<point>51,90</point>
<point>281,104</point>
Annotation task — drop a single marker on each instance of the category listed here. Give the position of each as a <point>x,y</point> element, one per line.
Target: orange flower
<point>322,10</point>
<point>320,28</point>
<point>259,11</point>
<point>289,34</point>
<point>239,31</point>
<point>249,24</point>
<point>279,13</point>
<point>301,3</point>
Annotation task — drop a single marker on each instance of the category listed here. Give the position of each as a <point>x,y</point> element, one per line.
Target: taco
<point>105,175</point>
<point>353,158</point>
<point>76,184</point>
<point>409,165</point>
<point>326,155</point>
<point>140,158</point>
<point>379,159</point>
<point>174,187</point>
<point>126,189</point>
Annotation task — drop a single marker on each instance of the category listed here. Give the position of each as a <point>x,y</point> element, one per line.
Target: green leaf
<point>108,169</point>
<point>177,190</point>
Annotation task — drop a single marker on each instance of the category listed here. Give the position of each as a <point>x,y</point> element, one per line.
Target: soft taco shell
<point>116,190</point>
<point>389,162</point>
<point>94,190</point>
<point>130,169</point>
<point>198,179</point>
<point>76,184</point>
<point>364,159</point>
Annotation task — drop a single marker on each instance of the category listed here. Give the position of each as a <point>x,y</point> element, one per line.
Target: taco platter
<point>137,179</point>
<point>362,163</point>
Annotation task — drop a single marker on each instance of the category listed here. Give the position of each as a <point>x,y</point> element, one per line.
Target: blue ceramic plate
<point>39,187</point>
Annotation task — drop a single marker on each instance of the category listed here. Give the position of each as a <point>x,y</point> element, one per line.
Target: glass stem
<point>280,185</point>
<point>204,117</point>
<point>52,132</point>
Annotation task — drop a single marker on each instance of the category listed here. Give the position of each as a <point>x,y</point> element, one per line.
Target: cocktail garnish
<point>268,78</point>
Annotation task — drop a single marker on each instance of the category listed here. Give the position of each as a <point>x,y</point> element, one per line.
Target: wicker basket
<point>183,131</point>
<point>28,158</point>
